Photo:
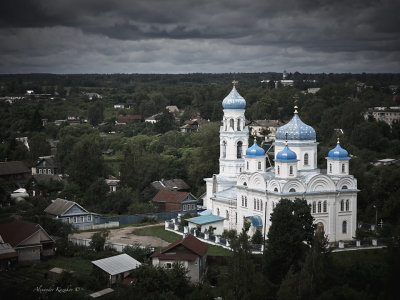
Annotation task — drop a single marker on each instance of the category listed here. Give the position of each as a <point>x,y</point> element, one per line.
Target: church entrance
<point>320,228</point>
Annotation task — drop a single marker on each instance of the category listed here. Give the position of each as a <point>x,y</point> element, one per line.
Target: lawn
<point>170,237</point>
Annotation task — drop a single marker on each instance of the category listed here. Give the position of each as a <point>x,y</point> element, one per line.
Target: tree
<point>291,231</point>
<point>96,113</point>
<point>98,240</point>
<point>165,122</point>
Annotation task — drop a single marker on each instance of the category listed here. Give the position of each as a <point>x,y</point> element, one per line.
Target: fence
<point>119,247</point>
<point>99,226</point>
<point>134,219</point>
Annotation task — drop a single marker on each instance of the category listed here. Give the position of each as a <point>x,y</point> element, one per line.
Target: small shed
<point>117,267</point>
<point>205,221</point>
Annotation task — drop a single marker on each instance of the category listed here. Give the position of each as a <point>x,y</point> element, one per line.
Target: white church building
<point>246,188</point>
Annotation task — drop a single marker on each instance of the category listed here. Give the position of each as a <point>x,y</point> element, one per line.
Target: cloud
<point>68,36</point>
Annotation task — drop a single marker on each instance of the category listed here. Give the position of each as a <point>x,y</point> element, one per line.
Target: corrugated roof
<point>117,264</point>
<point>180,184</point>
<point>170,196</point>
<point>59,206</point>
<point>202,220</point>
<point>13,167</point>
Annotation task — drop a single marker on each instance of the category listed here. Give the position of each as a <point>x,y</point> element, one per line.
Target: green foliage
<point>257,238</point>
<point>96,113</point>
<point>291,231</point>
<point>139,252</point>
<point>98,240</point>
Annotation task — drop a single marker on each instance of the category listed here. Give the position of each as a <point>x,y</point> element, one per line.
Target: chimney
<point>175,188</point>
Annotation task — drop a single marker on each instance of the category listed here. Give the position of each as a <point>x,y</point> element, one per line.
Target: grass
<point>159,231</point>
<point>77,264</point>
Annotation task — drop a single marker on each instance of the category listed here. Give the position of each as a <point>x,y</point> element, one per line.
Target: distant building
<point>388,115</point>
<point>28,239</point>
<point>173,109</point>
<point>189,251</point>
<point>204,222</point>
<point>258,127</point>
<point>15,172</point>
<point>313,90</point>
<point>116,106</point>
<point>123,120</point>
<point>45,165</point>
<point>153,118</point>
<point>71,212</point>
<point>193,124</point>
<point>171,184</point>
<point>385,162</point>
<point>166,200</point>
<point>117,267</point>
<point>112,183</point>
<point>93,95</point>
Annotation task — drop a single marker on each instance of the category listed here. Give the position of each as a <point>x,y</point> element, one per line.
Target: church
<point>247,188</point>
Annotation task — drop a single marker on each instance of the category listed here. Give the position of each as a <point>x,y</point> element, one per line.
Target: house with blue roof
<point>204,222</point>
<point>71,212</point>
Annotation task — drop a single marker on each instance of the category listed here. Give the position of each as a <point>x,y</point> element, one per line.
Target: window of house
<point>291,170</point>
<point>319,206</point>
<point>341,205</point>
<point>40,171</point>
<point>81,219</point>
<point>184,207</point>
<point>325,206</point>
<point>314,206</point>
<point>75,220</point>
<point>44,171</point>
<point>259,165</point>
<point>48,171</point>
<point>306,159</point>
<point>343,168</point>
<point>344,227</point>
<point>168,265</point>
<point>68,220</point>
<point>239,149</point>
<point>89,218</point>
<point>347,205</point>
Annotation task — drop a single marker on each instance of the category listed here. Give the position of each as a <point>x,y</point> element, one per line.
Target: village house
<point>190,252</point>
<point>388,115</point>
<point>117,267</point>
<point>71,212</point>
<point>15,172</point>
<point>45,165</point>
<point>171,184</point>
<point>193,124</point>
<point>152,119</point>
<point>265,128</point>
<point>112,183</point>
<point>167,200</point>
<point>29,240</point>
<point>123,120</point>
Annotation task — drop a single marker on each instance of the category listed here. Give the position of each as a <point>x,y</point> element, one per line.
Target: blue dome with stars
<point>338,153</point>
<point>296,130</point>
<point>255,150</point>
<point>286,155</point>
<point>234,100</point>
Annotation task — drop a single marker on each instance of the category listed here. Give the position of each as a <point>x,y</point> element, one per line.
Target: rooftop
<point>170,196</point>
<point>207,219</point>
<point>117,264</point>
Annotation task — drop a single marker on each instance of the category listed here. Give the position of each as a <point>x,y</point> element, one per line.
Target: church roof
<point>255,150</point>
<point>338,153</point>
<point>286,155</point>
<point>234,100</point>
<point>295,129</point>
<point>228,193</point>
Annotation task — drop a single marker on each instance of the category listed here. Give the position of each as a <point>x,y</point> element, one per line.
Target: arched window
<point>325,206</point>
<point>227,215</point>
<point>217,211</point>
<point>314,206</point>
<point>344,227</point>
<point>259,165</point>
<point>242,200</point>
<point>344,187</point>
<point>292,190</point>
<point>225,124</point>
<point>279,170</point>
<point>275,189</point>
<point>245,201</point>
<point>239,149</point>
<point>245,184</point>
<point>343,168</point>
<point>291,170</point>
<point>258,204</point>
<point>342,205</point>
<point>238,124</point>
<point>306,159</point>
<point>235,218</point>
<point>319,206</point>
<point>347,205</point>
<point>231,124</point>
<point>261,205</point>
<point>254,204</point>
<point>247,165</point>
<point>330,168</point>
<point>223,149</point>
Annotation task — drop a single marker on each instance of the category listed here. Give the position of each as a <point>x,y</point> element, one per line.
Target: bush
<point>257,238</point>
<point>98,240</point>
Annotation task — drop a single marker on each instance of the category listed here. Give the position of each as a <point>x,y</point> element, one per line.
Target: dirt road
<point>125,236</point>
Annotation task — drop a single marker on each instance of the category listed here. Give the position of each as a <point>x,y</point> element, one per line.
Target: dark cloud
<point>199,36</point>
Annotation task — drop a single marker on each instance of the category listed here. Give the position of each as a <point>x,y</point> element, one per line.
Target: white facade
<point>247,187</point>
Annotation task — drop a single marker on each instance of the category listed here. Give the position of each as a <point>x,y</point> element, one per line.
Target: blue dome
<point>255,150</point>
<point>234,100</point>
<point>296,130</point>
<point>286,155</point>
<point>338,153</point>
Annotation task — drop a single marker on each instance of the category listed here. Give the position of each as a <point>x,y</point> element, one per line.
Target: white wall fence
<point>119,247</point>
<point>98,226</point>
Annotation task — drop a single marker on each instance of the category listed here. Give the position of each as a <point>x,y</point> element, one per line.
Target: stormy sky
<point>185,36</point>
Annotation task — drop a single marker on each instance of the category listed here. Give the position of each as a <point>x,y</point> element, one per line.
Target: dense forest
<point>145,152</point>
